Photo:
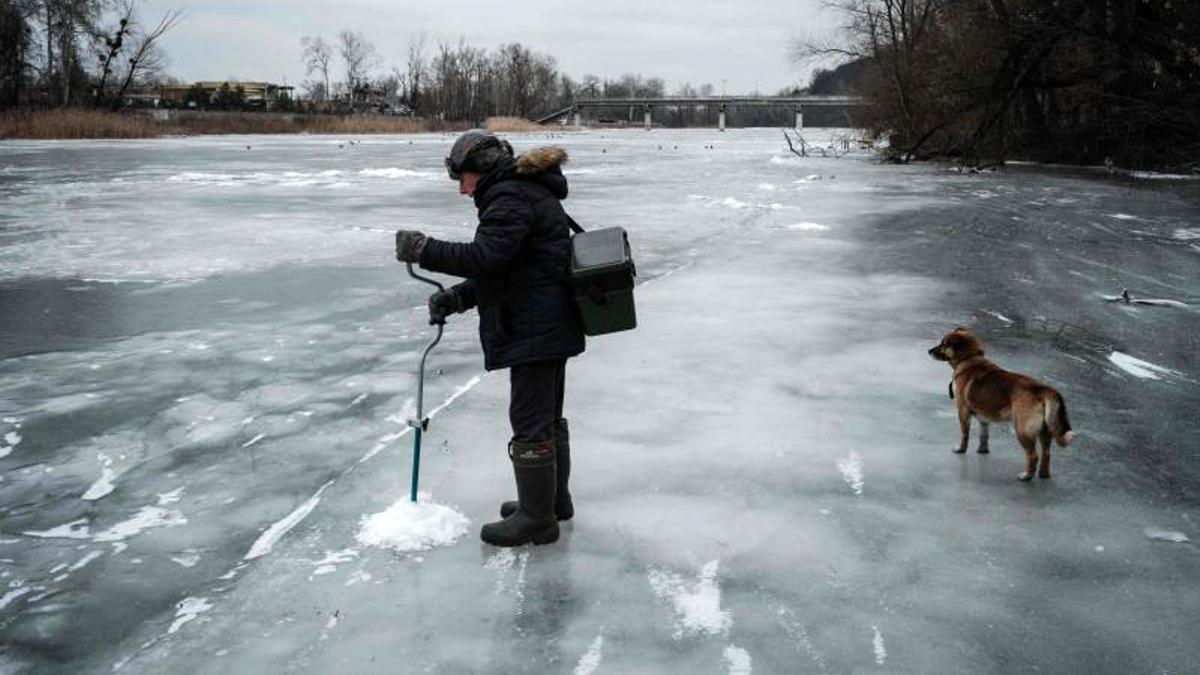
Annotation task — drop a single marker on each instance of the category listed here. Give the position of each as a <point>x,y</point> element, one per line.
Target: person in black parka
<point>517,273</point>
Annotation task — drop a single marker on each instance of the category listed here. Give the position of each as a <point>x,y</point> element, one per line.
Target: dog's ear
<point>963,329</point>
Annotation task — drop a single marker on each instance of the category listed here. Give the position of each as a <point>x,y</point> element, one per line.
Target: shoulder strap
<point>574,225</point>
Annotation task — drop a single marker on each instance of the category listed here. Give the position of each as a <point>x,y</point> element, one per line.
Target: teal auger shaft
<point>420,422</point>
<point>416,467</point>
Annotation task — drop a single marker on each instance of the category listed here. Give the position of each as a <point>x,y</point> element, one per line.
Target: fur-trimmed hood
<point>540,166</point>
<point>541,159</point>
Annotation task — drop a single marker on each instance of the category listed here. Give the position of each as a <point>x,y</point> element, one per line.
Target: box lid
<point>598,249</point>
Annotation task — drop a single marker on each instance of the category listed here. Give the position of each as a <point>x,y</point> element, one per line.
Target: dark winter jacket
<point>518,266</point>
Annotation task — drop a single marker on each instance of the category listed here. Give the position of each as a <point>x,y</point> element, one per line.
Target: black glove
<point>409,244</point>
<point>442,304</point>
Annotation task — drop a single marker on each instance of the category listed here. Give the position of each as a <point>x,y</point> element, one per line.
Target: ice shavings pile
<point>405,526</point>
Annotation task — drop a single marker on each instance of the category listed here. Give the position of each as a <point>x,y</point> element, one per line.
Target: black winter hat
<point>478,151</point>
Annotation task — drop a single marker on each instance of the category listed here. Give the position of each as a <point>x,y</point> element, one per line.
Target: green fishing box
<point>602,274</point>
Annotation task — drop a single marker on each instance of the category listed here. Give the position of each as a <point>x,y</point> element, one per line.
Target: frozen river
<point>207,354</point>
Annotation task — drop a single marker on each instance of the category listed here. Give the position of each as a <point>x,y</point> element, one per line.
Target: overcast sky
<point>743,43</point>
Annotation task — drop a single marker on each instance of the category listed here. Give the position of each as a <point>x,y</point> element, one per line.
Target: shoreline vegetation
<point>85,123</point>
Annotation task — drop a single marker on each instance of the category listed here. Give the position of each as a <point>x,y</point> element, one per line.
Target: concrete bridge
<point>721,102</point>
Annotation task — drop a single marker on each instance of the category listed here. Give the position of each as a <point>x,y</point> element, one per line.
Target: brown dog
<point>986,391</point>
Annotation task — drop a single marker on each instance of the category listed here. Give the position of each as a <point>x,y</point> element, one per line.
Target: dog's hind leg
<point>983,438</point>
<point>1029,445</point>
<point>1044,468</point>
<point>964,427</point>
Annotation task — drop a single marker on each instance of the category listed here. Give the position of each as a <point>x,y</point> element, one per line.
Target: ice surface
<point>406,526</point>
<point>219,346</point>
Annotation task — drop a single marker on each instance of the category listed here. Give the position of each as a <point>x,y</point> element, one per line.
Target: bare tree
<point>112,48</point>
<point>358,56</point>
<point>314,90</point>
<point>417,67</point>
<point>147,58</point>
<point>317,55</point>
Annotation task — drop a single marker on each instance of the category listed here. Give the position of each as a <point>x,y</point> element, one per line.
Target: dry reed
<point>68,123</point>
<point>87,123</point>
<point>511,124</point>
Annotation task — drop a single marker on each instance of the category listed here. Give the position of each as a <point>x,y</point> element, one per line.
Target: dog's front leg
<point>964,427</point>
<point>983,438</point>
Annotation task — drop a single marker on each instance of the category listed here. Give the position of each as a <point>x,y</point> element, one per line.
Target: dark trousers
<point>536,399</point>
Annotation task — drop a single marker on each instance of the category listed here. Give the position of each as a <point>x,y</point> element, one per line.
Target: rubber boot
<point>533,520</point>
<point>564,509</point>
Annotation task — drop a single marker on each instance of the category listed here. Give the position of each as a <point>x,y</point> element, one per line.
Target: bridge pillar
<point>799,117</point>
<point>721,119</point>
<point>647,110</point>
<point>578,118</point>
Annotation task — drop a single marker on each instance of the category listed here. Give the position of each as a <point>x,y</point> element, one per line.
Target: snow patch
<point>1139,368</point>
<point>15,593</point>
<point>266,541</point>
<point>998,315</point>
<point>358,577</point>
<point>188,558</point>
<point>1187,233</point>
<point>1166,535</point>
<point>738,660</point>
<point>697,605</point>
<point>852,471</point>
<point>393,172</point>
<point>812,227</point>
<point>11,440</point>
<point>187,609</point>
<point>880,649</point>
<point>405,526</point>
<point>590,661</point>
<point>1123,216</point>
<point>171,497</point>
<point>104,485</point>
<point>149,517</point>
<point>76,529</point>
<point>85,560</point>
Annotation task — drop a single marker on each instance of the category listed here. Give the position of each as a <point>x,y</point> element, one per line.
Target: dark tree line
<point>1069,80</point>
<point>76,52</point>
<point>461,82</point>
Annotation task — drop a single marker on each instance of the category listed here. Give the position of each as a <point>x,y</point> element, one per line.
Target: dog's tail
<point>1056,417</point>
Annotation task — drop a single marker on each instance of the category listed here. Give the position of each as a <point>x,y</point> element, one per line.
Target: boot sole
<point>548,535</point>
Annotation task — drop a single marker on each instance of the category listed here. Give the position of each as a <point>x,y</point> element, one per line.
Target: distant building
<point>264,95</point>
